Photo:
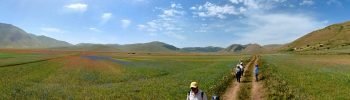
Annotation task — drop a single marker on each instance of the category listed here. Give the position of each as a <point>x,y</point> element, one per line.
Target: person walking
<point>242,68</point>
<point>238,74</point>
<point>195,93</point>
<point>241,62</point>
<point>256,72</point>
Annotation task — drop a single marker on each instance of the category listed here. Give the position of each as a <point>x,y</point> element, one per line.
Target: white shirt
<point>238,69</point>
<point>240,66</point>
<point>197,96</point>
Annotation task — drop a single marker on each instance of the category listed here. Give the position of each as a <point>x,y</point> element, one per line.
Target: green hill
<point>138,47</point>
<point>155,46</point>
<point>234,48</point>
<point>331,37</point>
<point>14,37</point>
<point>202,49</point>
<point>245,49</point>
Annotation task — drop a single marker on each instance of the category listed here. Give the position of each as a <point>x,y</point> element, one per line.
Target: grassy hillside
<point>333,36</point>
<point>14,37</point>
<point>270,48</point>
<point>234,48</point>
<point>202,49</point>
<point>149,47</point>
<point>138,47</point>
<point>250,48</point>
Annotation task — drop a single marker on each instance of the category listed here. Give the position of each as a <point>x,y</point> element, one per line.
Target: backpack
<point>188,94</point>
<point>239,70</point>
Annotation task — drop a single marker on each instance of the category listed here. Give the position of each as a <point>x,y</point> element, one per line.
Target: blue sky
<point>183,23</point>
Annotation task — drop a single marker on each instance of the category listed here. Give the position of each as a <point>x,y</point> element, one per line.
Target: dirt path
<point>231,92</point>
<point>257,87</point>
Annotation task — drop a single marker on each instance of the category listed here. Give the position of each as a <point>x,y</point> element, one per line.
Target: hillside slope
<point>202,49</point>
<point>333,36</point>
<point>14,37</point>
<point>154,46</point>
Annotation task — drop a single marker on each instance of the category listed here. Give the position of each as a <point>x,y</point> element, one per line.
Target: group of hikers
<point>196,94</point>
<point>240,71</point>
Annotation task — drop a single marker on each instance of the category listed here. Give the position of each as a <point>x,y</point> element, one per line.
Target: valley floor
<point>35,74</point>
<point>105,75</point>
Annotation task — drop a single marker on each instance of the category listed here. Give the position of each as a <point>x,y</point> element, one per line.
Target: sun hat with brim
<point>194,85</point>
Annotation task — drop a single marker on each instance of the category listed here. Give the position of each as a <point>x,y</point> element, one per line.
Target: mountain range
<point>333,36</point>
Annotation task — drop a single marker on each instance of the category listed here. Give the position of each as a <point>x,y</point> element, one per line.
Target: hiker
<point>195,93</point>
<point>241,62</point>
<point>238,74</point>
<point>242,68</point>
<point>256,71</point>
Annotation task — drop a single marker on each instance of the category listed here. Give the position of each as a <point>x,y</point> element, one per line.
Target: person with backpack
<point>256,71</point>
<point>195,93</point>
<point>238,74</point>
<point>241,62</point>
<point>242,68</point>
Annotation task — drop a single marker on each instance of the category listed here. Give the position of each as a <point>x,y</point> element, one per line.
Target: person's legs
<point>256,77</point>
<point>237,77</point>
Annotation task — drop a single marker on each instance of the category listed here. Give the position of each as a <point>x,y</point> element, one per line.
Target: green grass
<point>315,77</point>
<point>142,77</point>
<point>18,58</point>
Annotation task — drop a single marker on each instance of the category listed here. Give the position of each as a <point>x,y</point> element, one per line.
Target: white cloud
<point>275,28</point>
<point>236,7</point>
<point>335,2</point>
<point>174,5</point>
<point>105,17</point>
<point>167,22</point>
<point>141,27</point>
<point>95,29</point>
<point>202,29</point>
<point>193,8</point>
<point>170,13</point>
<point>173,11</point>
<point>235,1</point>
<point>125,23</point>
<point>251,3</point>
<point>79,7</point>
<point>254,24</point>
<point>213,10</point>
<point>307,2</point>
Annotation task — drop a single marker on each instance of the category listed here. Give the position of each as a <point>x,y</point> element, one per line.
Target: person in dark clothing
<point>256,72</point>
<point>238,74</point>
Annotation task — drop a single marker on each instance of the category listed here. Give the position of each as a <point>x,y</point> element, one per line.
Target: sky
<point>183,23</point>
